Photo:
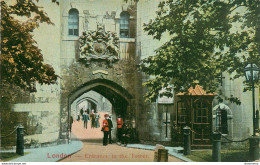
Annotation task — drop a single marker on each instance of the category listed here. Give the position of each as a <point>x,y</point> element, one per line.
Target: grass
<point>6,156</point>
<point>226,156</point>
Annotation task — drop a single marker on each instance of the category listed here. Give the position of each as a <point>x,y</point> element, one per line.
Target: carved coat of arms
<point>99,46</point>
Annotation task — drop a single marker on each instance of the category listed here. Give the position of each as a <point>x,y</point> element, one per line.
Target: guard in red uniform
<point>119,128</point>
<point>105,129</point>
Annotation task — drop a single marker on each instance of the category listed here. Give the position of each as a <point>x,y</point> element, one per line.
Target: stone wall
<point>149,116</point>
<point>43,106</point>
<point>240,116</point>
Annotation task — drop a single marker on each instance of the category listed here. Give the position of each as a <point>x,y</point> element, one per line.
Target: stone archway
<point>85,102</point>
<point>116,94</point>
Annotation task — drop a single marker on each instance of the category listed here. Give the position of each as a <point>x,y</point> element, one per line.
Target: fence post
<point>216,155</point>
<point>257,120</point>
<point>186,134</point>
<point>20,140</point>
<point>254,147</point>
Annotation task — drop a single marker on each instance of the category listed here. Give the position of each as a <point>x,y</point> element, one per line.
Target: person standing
<point>105,129</point>
<point>71,121</point>
<point>81,112</point>
<point>119,128</point>
<point>85,119</point>
<point>92,117</point>
<point>78,117</point>
<point>110,123</point>
<point>97,120</point>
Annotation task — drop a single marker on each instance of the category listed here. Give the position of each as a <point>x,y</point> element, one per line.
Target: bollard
<point>162,155</point>
<point>257,121</point>
<point>187,146</point>
<point>216,155</point>
<point>20,140</point>
<point>254,148</point>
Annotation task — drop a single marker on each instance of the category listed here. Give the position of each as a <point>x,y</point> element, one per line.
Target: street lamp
<point>252,75</point>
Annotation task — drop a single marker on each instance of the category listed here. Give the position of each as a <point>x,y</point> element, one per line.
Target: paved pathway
<point>49,154</point>
<point>94,151</point>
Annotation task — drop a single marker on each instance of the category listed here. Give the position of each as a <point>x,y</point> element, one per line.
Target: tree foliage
<point>21,60</point>
<point>207,37</point>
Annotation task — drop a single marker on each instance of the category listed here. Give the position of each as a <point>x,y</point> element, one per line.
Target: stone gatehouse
<point>106,63</point>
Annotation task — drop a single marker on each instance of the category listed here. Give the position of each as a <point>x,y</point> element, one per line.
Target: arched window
<point>124,24</point>
<point>73,23</point>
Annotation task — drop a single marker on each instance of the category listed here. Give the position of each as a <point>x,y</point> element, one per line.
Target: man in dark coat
<point>105,129</point>
<point>110,123</point>
<point>85,119</point>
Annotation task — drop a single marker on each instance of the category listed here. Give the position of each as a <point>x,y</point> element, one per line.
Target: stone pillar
<point>187,145</point>
<point>254,147</point>
<point>257,120</point>
<point>216,155</point>
<point>20,140</point>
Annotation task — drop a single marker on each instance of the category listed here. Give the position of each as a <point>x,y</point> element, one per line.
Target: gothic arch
<point>229,122</point>
<point>109,89</point>
<point>229,112</point>
<point>118,96</point>
<point>86,99</point>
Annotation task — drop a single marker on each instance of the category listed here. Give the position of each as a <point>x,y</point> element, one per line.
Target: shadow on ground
<point>92,141</point>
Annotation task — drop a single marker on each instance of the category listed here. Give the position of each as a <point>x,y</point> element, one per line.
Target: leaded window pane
<point>73,22</point>
<point>124,25</point>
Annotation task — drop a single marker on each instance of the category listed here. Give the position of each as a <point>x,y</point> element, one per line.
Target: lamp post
<point>252,76</point>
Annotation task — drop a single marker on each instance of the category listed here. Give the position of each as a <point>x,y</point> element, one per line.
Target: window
<point>73,23</point>
<point>165,118</point>
<point>181,112</point>
<point>201,112</point>
<point>124,25</point>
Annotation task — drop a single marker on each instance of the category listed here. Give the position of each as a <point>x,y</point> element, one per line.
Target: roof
<point>198,91</point>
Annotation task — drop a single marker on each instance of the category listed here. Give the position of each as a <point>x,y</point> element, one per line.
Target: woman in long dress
<point>93,120</point>
<point>97,120</point>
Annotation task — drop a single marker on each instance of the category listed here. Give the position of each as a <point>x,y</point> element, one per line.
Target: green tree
<point>207,37</point>
<point>21,60</point>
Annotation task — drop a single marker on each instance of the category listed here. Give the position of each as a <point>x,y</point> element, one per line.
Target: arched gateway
<point>119,97</point>
<point>99,68</point>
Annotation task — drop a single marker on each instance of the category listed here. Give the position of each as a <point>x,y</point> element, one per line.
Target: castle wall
<point>49,106</point>
<point>150,117</point>
<point>43,106</point>
<point>241,117</point>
